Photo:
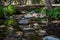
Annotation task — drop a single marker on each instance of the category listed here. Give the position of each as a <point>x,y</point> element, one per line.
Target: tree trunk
<point>48,4</point>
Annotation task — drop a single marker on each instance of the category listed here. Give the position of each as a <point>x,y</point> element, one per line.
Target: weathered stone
<point>2,26</point>
<point>23,22</point>
<point>28,17</point>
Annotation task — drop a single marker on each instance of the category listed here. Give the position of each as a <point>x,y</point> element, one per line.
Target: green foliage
<point>50,14</point>
<point>10,9</point>
<point>37,10</point>
<point>1,11</point>
<point>41,2</point>
<point>10,22</point>
<point>57,12</point>
<point>43,10</point>
<point>40,10</point>
<point>5,10</point>
<point>54,13</point>
<point>57,9</point>
<point>38,1</point>
<point>36,19</point>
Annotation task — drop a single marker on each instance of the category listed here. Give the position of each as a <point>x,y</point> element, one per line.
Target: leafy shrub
<point>10,22</point>
<point>1,11</point>
<point>10,9</point>
<point>37,10</point>
<point>54,13</point>
<point>6,10</point>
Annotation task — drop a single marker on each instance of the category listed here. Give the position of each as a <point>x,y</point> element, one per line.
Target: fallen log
<point>24,7</point>
<point>32,6</point>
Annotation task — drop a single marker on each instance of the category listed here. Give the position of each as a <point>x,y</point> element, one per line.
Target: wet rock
<point>28,29</point>
<point>42,32</point>
<point>35,25</point>
<point>2,26</point>
<point>23,22</point>
<point>28,17</point>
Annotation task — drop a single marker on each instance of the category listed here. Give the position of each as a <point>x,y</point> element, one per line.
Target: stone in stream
<point>35,14</point>
<point>11,28</point>
<point>23,12</point>
<point>2,26</point>
<point>28,29</point>
<point>35,25</point>
<point>42,32</point>
<point>23,21</point>
<point>51,38</point>
<point>28,16</point>
<point>7,17</point>
<point>44,23</point>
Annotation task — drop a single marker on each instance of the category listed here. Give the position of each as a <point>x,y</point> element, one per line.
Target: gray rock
<point>23,22</point>
<point>28,29</point>
<point>2,26</point>
<point>28,17</point>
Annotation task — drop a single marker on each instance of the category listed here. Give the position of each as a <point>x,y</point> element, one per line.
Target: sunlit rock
<point>28,16</point>
<point>2,26</point>
<point>35,25</point>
